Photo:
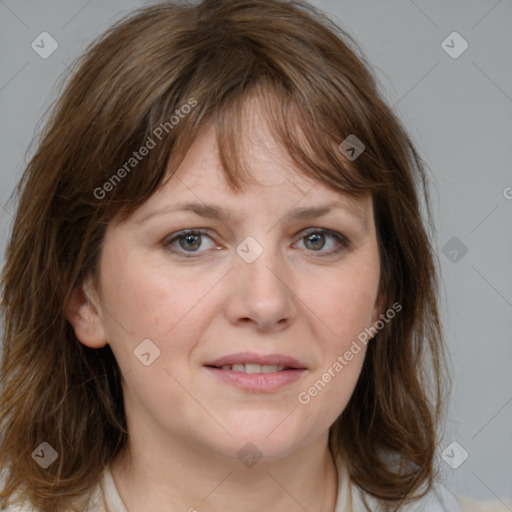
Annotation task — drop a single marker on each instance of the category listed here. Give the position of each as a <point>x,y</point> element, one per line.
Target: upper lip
<point>252,358</point>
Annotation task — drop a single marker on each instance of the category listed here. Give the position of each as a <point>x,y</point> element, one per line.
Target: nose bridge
<point>261,290</point>
<point>260,265</point>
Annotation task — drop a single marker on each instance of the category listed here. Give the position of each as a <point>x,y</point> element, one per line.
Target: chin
<point>260,441</point>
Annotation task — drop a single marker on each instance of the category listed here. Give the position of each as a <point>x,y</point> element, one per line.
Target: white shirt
<point>105,498</point>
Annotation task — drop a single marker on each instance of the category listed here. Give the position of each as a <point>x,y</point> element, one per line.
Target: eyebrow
<point>304,213</point>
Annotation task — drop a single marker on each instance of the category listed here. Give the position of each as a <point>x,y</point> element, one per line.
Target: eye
<point>317,239</point>
<point>188,241</point>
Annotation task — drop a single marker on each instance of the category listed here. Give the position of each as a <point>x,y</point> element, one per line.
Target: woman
<point>219,289</point>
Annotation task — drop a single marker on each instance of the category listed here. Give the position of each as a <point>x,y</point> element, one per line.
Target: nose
<point>261,293</point>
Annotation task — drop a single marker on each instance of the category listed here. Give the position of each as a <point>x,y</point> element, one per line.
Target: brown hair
<point>317,89</point>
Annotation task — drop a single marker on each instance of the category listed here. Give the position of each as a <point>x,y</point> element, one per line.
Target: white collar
<point>349,495</point>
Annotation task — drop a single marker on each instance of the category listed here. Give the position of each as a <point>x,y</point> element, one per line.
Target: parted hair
<point>316,88</point>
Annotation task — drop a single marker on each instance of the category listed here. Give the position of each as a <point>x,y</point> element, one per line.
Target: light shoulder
<point>467,505</point>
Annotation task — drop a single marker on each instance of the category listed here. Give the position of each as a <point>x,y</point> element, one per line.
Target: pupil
<point>315,238</point>
<point>190,239</point>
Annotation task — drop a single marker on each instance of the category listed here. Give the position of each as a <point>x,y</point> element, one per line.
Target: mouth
<point>249,362</point>
<point>257,373</point>
<point>253,368</point>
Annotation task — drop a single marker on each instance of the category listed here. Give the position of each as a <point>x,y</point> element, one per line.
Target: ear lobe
<point>83,312</point>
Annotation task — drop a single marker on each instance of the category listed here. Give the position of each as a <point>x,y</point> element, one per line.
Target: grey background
<point>458,112</point>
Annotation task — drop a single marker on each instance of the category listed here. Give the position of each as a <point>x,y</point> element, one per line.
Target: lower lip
<point>258,382</point>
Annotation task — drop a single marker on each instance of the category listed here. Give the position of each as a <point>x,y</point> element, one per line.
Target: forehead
<point>266,161</point>
<point>199,185</point>
<point>265,172</point>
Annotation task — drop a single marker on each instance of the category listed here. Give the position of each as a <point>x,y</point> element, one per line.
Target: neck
<point>195,480</point>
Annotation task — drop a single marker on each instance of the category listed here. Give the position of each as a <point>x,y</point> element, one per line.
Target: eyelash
<point>343,242</point>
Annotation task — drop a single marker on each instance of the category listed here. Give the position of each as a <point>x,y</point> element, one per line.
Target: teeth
<point>253,368</point>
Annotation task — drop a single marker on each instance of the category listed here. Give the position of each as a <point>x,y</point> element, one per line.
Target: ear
<point>83,312</point>
<point>378,309</point>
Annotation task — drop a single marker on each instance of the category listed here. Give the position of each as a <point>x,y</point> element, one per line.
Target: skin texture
<point>186,426</point>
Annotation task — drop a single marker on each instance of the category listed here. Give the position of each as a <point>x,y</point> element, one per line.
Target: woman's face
<point>262,283</point>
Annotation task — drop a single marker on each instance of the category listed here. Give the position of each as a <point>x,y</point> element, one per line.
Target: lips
<point>256,373</point>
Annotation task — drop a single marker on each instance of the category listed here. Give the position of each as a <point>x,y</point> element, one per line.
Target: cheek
<point>133,298</point>
<point>345,304</point>
<point>142,296</point>
<point>146,301</point>
<point>328,392</point>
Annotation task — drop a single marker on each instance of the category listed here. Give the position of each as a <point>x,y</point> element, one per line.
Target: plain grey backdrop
<point>457,104</point>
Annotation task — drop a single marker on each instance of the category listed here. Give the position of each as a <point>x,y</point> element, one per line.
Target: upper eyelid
<point>205,231</point>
